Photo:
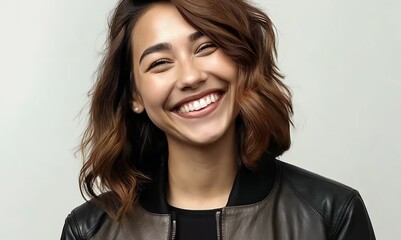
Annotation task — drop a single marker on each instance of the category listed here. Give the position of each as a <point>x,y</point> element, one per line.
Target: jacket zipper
<point>218,223</point>
<point>174,226</point>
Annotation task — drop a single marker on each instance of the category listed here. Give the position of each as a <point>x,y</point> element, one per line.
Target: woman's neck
<point>201,177</point>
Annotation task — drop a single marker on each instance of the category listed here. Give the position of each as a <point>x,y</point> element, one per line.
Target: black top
<point>195,224</point>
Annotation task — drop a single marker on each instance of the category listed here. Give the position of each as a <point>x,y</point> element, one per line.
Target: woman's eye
<point>207,47</point>
<point>157,63</point>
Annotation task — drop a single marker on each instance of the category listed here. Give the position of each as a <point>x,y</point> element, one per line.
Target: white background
<point>341,58</point>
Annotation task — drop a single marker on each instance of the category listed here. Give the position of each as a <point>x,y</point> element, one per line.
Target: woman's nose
<point>191,76</point>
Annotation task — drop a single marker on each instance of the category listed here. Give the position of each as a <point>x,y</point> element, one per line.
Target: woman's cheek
<point>155,93</point>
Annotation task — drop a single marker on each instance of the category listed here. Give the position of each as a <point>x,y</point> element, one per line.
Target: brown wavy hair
<point>119,147</point>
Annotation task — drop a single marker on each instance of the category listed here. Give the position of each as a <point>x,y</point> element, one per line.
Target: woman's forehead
<point>161,23</point>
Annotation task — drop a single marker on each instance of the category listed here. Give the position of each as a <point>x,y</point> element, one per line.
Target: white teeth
<point>200,103</point>
<point>208,101</point>
<point>213,98</point>
<point>197,105</point>
<point>203,103</point>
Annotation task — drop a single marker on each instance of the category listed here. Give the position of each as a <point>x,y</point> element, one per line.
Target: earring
<point>137,107</point>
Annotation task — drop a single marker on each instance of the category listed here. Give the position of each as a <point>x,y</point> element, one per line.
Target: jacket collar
<point>249,186</point>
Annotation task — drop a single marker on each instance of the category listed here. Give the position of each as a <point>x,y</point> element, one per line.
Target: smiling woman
<point>187,118</point>
<point>176,71</point>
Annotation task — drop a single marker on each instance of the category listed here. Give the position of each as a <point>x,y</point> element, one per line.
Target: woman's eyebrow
<point>195,36</point>
<point>167,46</point>
<point>155,48</point>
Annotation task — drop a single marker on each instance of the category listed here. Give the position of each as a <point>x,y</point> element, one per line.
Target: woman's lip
<point>197,97</point>
<point>202,112</point>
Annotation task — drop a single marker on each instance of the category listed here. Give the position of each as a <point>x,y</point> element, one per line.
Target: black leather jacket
<point>279,202</point>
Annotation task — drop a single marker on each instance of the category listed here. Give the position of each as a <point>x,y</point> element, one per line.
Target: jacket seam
<point>315,212</point>
<point>90,230</point>
<point>341,216</point>
<point>327,222</point>
<point>76,226</point>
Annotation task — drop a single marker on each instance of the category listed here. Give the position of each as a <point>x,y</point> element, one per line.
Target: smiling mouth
<point>199,104</point>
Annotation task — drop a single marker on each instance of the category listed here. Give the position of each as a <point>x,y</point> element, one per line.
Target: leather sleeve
<point>83,222</point>
<point>354,222</point>
<point>70,229</point>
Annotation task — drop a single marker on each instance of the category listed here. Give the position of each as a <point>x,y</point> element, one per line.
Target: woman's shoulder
<point>318,192</point>
<point>311,183</point>
<point>83,222</point>
<point>335,203</point>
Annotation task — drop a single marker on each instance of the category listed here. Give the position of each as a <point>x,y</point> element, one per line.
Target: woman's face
<point>185,83</point>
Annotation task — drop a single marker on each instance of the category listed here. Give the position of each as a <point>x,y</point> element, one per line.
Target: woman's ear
<point>136,104</point>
